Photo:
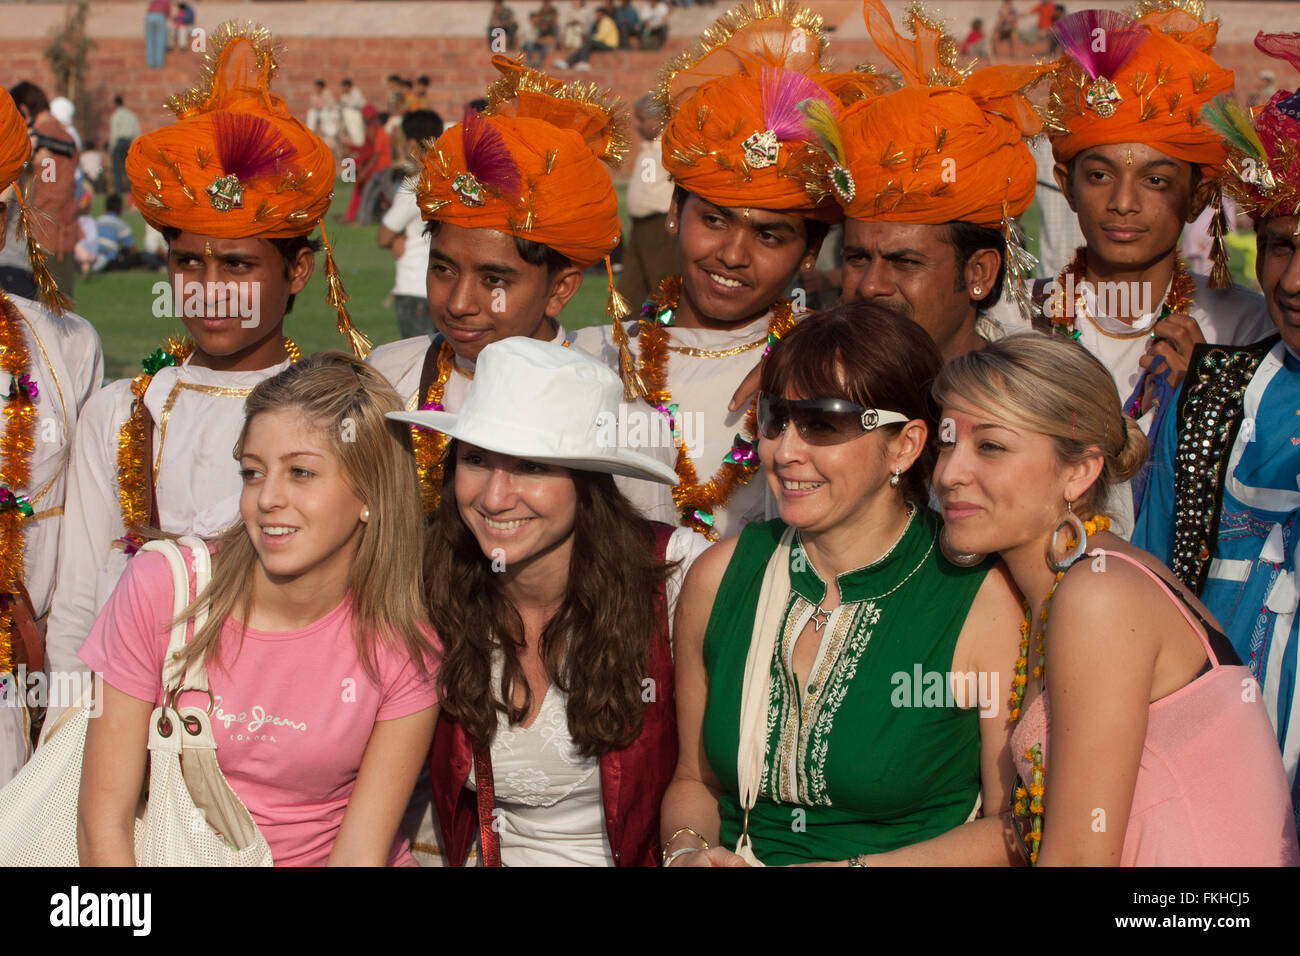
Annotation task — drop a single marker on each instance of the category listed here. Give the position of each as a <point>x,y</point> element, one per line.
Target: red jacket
<point>632,779</point>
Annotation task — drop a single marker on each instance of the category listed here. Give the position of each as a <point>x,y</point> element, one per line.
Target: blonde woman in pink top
<point>1161,752</point>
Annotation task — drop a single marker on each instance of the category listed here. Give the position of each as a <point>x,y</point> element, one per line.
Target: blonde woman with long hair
<point>1161,752</point>
<point>318,651</point>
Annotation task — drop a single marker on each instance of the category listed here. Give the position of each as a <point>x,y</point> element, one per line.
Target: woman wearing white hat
<point>553,598</point>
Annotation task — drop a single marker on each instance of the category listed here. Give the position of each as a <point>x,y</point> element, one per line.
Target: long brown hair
<point>594,648</point>
<point>347,399</point>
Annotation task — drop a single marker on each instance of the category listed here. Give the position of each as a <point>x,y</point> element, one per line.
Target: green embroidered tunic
<point>878,754</point>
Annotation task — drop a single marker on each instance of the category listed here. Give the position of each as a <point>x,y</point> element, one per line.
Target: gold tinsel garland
<point>17,443</point>
<point>699,502</point>
<point>430,445</point>
<point>134,470</point>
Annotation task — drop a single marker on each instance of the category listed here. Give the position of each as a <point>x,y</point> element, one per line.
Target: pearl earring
<point>896,478</point>
<point>365,514</point>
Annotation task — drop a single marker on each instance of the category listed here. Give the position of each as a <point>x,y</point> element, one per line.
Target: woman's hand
<point>713,856</point>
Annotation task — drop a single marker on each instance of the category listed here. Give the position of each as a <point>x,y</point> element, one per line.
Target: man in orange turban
<point>236,185</point>
<point>50,364</point>
<point>933,175</point>
<point>519,202</point>
<point>749,216</point>
<point>1136,162</point>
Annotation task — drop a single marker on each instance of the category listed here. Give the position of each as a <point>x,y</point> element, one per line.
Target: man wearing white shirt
<point>52,364</point>
<point>156,451</point>
<point>402,230</point>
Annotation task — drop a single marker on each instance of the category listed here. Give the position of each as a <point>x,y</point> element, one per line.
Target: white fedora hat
<point>545,403</point>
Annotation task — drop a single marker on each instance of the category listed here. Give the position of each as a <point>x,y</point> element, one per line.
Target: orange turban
<point>15,145</point>
<point>1138,81</point>
<point>534,165</point>
<point>735,133</point>
<point>235,164</point>
<point>947,147</point>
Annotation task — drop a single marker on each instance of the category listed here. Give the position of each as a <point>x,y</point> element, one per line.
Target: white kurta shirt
<point>701,387</point>
<point>198,414</point>
<point>67,364</point>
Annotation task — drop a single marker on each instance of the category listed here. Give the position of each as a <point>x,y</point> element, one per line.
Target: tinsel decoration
<point>617,310</point>
<point>337,296</point>
<point>1220,274</point>
<point>1019,265</point>
<point>698,503</point>
<point>46,288</point>
<point>430,446</point>
<point>17,444</point>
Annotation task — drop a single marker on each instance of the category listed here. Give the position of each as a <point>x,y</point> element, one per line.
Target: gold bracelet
<point>692,831</point>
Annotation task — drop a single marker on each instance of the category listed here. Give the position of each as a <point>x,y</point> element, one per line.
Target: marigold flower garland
<point>17,444</point>
<point>134,470</point>
<point>1036,788</point>
<point>698,502</point>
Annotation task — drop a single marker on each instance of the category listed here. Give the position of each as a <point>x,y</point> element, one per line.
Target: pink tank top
<point>1210,789</point>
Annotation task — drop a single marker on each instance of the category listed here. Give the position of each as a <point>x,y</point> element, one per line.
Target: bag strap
<point>195,675</point>
<point>756,686</point>
<point>489,842</point>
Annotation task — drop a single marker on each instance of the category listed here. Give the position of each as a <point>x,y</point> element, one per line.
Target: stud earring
<point>896,478</point>
<point>365,514</point>
<point>976,291</point>
<point>670,224</point>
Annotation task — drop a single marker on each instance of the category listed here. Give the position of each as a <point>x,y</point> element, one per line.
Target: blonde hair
<point>1053,387</point>
<point>347,400</point>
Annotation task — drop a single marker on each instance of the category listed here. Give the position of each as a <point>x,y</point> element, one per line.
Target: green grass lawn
<point>119,304</point>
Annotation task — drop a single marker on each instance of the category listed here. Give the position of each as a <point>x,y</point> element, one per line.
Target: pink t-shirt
<point>294,709</point>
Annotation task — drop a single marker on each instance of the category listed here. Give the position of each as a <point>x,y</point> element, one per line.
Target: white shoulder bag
<point>190,816</point>
<point>757,686</point>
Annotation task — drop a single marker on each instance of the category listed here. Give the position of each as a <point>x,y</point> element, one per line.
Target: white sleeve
<point>91,522</point>
<point>401,213</point>
<point>684,546</point>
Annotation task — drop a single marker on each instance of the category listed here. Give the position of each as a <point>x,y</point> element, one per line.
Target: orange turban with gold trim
<point>534,165</point>
<point>1139,81</point>
<point>735,134</point>
<point>15,145</point>
<point>947,147</point>
<point>235,164</point>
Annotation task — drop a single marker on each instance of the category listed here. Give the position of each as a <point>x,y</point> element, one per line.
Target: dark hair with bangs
<point>866,354</point>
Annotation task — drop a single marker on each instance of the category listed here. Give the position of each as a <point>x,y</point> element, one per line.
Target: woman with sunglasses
<point>1150,744</point>
<point>840,685</point>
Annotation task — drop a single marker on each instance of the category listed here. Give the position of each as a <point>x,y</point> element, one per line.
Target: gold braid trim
<point>268,51</point>
<point>17,444</point>
<point>134,469</point>
<point>431,445</point>
<point>526,80</point>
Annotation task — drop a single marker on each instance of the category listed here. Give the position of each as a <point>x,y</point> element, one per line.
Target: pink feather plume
<point>487,158</point>
<point>1101,53</point>
<point>249,146</point>
<point>783,91</point>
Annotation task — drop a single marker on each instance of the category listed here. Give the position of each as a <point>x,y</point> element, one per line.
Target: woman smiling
<point>792,639</point>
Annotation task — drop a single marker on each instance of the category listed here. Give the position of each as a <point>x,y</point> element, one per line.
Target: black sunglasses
<point>820,421</point>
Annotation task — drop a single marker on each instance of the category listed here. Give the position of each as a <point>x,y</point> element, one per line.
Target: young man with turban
<point>50,364</point>
<point>1222,506</point>
<point>748,218</point>
<point>519,202</point>
<point>938,170</point>
<point>236,185</point>
<point>1136,162</point>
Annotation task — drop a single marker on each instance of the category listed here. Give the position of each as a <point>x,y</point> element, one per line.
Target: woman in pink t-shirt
<point>1161,752</point>
<point>319,654</point>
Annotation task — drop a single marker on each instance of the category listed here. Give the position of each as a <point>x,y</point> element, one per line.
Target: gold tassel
<point>47,290</point>
<point>617,310</point>
<point>1019,266</point>
<point>1220,274</point>
<point>337,296</point>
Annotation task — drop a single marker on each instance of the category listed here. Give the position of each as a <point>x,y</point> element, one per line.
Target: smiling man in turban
<point>236,185</point>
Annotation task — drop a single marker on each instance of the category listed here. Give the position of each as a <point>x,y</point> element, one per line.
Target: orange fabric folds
<point>1155,96</point>
<point>15,146</point>
<point>534,165</point>
<point>236,163</point>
